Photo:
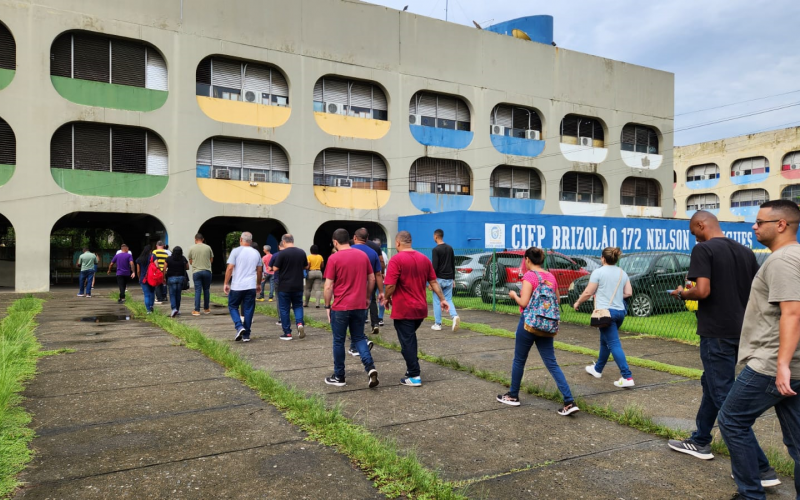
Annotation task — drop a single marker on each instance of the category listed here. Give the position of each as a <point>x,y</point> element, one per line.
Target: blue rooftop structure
<point>533,28</point>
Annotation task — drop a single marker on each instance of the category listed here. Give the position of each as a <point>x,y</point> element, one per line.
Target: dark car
<point>652,275</point>
<point>506,274</point>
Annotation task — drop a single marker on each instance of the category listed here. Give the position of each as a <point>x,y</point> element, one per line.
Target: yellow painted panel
<point>350,126</point>
<point>365,199</point>
<point>225,191</point>
<point>244,113</point>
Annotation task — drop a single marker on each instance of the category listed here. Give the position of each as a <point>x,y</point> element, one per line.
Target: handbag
<point>185,284</point>
<point>601,318</point>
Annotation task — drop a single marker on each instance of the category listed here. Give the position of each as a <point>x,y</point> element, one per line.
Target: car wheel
<point>641,305</point>
<point>486,299</point>
<point>476,289</point>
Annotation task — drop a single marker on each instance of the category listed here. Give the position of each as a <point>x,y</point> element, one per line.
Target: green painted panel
<point>109,95</point>
<point>6,171</point>
<point>6,75</point>
<point>113,184</point>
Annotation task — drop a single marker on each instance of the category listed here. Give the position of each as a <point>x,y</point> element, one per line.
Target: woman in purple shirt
<point>124,263</point>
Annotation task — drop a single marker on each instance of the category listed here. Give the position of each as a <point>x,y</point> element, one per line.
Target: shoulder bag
<point>601,318</point>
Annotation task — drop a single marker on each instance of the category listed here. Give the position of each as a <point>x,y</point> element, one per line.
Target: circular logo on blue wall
<point>495,232</point>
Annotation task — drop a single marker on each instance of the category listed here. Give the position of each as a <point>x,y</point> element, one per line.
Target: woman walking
<point>314,280</point>
<point>176,273</point>
<point>142,263</point>
<point>610,285</point>
<point>533,260</point>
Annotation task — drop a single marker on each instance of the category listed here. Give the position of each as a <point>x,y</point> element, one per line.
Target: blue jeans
<point>610,345</point>
<point>381,310</point>
<point>149,296</point>
<point>340,322</point>
<point>287,301</point>
<point>202,283</point>
<point>751,395</point>
<point>85,280</point>
<point>544,345</point>
<point>407,336</point>
<point>247,299</point>
<point>447,291</point>
<point>719,371</point>
<point>175,284</point>
<point>273,282</point>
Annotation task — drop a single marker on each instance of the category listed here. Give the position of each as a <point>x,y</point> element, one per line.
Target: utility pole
<point>446,9</point>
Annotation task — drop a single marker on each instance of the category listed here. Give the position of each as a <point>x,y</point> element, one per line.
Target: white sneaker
<point>81,295</point>
<point>624,382</point>
<point>594,373</point>
<point>456,323</point>
<point>436,327</point>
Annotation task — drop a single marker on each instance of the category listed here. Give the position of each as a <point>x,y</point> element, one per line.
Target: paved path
<point>133,414</point>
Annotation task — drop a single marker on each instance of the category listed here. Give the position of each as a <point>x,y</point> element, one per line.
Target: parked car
<point>652,275</point>
<point>469,271</point>
<point>508,274</point>
<point>588,262</point>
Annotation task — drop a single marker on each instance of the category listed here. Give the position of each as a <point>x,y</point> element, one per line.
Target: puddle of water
<point>105,318</point>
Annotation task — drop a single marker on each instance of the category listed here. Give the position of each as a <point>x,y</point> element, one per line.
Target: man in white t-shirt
<point>242,283</point>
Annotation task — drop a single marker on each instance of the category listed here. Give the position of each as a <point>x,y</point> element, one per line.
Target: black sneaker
<point>353,352</point>
<point>508,399</point>
<point>246,338</point>
<point>568,409</point>
<point>375,330</point>
<point>373,378</point>
<point>333,380</point>
<point>769,479</point>
<point>286,336</point>
<point>239,335</point>
<point>689,447</point>
<point>380,323</point>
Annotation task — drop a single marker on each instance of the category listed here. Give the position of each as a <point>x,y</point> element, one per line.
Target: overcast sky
<point>721,51</point>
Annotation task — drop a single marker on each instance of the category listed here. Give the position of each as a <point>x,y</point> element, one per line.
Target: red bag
<point>155,276</point>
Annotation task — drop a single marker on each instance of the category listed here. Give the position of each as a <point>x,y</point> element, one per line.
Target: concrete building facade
<point>732,177</point>
<point>158,119</point>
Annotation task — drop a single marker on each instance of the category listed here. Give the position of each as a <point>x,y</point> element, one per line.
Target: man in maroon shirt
<point>408,273</point>
<point>349,280</point>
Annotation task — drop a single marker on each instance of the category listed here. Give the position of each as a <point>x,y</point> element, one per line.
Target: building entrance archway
<point>216,230</point>
<point>7,253</point>
<point>324,235</point>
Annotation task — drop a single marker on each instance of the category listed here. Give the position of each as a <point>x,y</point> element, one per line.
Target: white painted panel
<point>631,211</point>
<point>584,209</point>
<point>583,154</point>
<point>641,160</point>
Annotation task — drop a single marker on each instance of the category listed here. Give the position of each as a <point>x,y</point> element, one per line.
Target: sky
<point>722,52</point>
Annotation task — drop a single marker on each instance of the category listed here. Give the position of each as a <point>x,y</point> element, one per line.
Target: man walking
<point>361,243</point>
<point>161,254</point>
<point>87,262</point>
<point>406,276</point>
<point>242,282</point>
<point>769,349</point>
<point>444,264</point>
<point>290,264</point>
<point>349,280</point>
<point>200,258</point>
<point>384,265</point>
<point>267,276</point>
<point>124,262</point>
<point>724,271</point>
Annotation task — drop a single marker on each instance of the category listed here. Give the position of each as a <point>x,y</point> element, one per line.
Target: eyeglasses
<point>760,222</point>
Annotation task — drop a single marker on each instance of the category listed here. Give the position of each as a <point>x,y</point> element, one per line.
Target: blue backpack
<point>543,312</point>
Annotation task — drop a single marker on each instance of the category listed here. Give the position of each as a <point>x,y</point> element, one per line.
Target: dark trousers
<point>246,299</point>
<point>407,336</point>
<point>719,371</point>
<point>341,321</point>
<point>373,310</point>
<point>122,283</point>
<point>161,292</point>
<point>290,301</point>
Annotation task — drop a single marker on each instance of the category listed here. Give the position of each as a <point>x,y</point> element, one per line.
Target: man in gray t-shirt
<point>769,348</point>
<point>242,283</point>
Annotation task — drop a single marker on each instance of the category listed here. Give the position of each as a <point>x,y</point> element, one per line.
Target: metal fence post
<point>494,280</point>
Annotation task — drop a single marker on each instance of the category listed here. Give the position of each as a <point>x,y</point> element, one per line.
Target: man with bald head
<point>724,270</point>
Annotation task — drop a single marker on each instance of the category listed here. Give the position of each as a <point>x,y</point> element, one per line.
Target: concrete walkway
<point>133,414</point>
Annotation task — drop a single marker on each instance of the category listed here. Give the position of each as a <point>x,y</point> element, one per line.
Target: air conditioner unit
<point>252,96</point>
<point>222,174</point>
<point>344,183</point>
<point>585,141</point>
<point>532,134</point>
<point>498,130</point>
<point>795,166</point>
<point>334,108</point>
<point>415,119</point>
<point>258,176</point>
<point>737,173</point>
<point>522,195</point>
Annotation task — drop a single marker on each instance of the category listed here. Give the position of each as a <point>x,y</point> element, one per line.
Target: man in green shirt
<point>200,257</point>
<point>86,262</point>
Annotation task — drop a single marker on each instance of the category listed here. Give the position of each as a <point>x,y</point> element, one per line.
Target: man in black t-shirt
<point>290,263</point>
<point>361,237</point>
<point>724,271</point>
<point>444,265</point>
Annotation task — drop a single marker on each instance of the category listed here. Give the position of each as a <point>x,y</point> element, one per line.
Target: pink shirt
<point>531,278</point>
<point>349,270</point>
<point>265,259</point>
<point>409,272</point>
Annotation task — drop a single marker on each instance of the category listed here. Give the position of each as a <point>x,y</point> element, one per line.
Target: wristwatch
<point>327,307</point>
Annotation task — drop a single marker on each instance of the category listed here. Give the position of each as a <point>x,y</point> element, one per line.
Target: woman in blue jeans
<point>175,274</point>
<point>142,263</point>
<point>611,286</point>
<point>533,260</point>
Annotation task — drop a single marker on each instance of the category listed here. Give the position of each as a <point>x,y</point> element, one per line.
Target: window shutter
<point>8,49</point>
<point>129,153</point>
<point>226,73</point>
<point>586,127</point>
<point>127,63</point>
<point>569,183</point>
<point>379,170</point>
<point>521,178</point>
<point>157,160</point>
<point>256,77</point>
<point>379,99</point>
<point>280,87</point>
<point>318,91</point>
<point>791,193</point>
<point>61,56</point>
<point>629,136</point>
<point>462,113</point>
<point>361,166</point>
<point>204,153</point>
<point>156,70</point>
<point>318,179</point>
<point>61,147</point>
<point>536,121</point>
<point>536,185</point>
<point>91,58</point>
<point>427,105</point>
<point>569,126</point>
<point>447,108</point>
<point>8,144</point>
<point>335,163</point>
<point>653,141</point>
<point>501,177</point>
<point>628,189</point>
<point>521,118</point>
<point>361,95</point>
<point>585,183</point>
<point>227,153</point>
<point>280,165</point>
<point>792,158</point>
<point>334,90</point>
<point>92,143</point>
<point>502,117</point>
<point>642,136</point>
<point>256,155</point>
<point>203,73</point>
<point>425,171</point>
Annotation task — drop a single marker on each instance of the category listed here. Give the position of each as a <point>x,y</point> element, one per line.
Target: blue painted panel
<point>570,234</point>
<point>690,213</point>
<point>442,137</point>
<point>203,171</point>
<point>749,179</point>
<point>516,146</point>
<point>516,206</point>
<point>538,28</point>
<point>749,213</point>
<point>435,203</point>
<point>705,184</point>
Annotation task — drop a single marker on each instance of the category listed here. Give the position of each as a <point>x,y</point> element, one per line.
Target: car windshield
<point>635,264</point>
<point>461,259</point>
<point>509,260</point>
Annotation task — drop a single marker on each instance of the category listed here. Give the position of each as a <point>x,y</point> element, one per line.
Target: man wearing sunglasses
<point>769,349</point>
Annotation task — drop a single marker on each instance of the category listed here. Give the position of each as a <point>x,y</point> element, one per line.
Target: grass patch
<point>18,355</point>
<point>393,472</point>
